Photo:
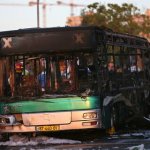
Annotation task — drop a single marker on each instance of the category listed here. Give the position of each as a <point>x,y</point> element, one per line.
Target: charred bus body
<point>72,78</point>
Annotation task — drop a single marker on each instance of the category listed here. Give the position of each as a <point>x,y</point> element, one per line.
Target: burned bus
<point>70,78</point>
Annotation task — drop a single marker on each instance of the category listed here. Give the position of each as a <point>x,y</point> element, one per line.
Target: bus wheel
<point>118,115</point>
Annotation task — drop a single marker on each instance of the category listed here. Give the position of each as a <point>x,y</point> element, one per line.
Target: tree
<point>124,18</point>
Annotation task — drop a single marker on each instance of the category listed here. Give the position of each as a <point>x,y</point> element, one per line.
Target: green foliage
<point>119,18</point>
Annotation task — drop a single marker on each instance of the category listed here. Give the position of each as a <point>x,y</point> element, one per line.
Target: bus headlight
<point>90,115</point>
<point>7,120</point>
<point>4,121</point>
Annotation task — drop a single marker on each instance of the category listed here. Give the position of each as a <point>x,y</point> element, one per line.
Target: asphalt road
<point>81,141</point>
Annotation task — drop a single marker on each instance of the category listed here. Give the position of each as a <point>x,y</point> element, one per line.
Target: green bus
<point>71,78</point>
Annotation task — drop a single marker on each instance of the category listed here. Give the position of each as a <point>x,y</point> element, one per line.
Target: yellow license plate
<point>48,128</point>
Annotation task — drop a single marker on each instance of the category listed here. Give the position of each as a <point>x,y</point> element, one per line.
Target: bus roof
<point>46,40</point>
<point>58,39</point>
<point>52,29</point>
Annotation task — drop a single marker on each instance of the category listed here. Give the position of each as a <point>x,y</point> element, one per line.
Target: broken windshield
<point>31,76</point>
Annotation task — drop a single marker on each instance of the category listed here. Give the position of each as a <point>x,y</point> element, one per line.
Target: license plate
<point>48,128</point>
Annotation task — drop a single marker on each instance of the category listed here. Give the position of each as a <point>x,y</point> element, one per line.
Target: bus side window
<point>140,64</point>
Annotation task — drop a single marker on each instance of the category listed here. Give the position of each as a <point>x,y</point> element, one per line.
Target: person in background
<point>111,67</point>
<point>18,76</point>
<point>42,80</point>
<point>28,70</point>
<point>133,67</point>
<point>18,72</point>
<point>11,82</point>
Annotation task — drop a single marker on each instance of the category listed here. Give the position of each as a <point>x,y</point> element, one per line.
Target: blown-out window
<point>35,75</point>
<point>124,59</point>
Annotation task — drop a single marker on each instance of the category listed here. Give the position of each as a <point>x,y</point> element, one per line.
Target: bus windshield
<point>31,76</point>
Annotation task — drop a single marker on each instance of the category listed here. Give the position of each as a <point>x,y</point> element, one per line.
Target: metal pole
<point>38,18</point>
<point>44,13</point>
<point>72,8</point>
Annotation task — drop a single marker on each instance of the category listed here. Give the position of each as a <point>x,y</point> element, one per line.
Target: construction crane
<point>44,5</point>
<point>71,4</point>
<point>12,4</point>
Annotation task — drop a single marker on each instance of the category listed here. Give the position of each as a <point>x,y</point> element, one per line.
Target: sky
<point>18,17</point>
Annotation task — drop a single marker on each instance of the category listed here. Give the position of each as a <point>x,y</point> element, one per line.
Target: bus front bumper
<point>51,128</point>
<point>50,121</point>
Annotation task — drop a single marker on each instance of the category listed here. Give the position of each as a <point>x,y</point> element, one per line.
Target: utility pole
<point>38,14</point>
<point>44,5</point>
<point>72,8</point>
<point>44,13</point>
